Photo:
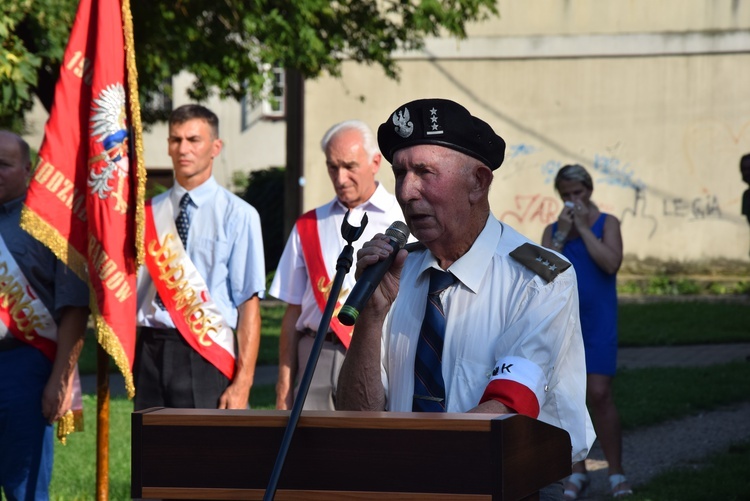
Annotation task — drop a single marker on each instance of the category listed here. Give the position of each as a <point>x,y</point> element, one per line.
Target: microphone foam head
<point>399,232</point>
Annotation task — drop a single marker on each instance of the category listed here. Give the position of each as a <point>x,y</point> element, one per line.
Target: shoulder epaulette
<point>541,261</point>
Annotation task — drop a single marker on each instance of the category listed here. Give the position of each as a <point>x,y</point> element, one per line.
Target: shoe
<point>619,485</point>
<point>575,486</point>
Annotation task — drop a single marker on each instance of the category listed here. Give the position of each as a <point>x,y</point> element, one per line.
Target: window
<point>271,106</point>
<point>273,103</point>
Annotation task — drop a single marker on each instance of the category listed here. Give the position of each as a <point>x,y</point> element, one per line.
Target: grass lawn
<point>667,324</point>
<point>725,478</point>
<point>657,324</point>
<point>644,396</point>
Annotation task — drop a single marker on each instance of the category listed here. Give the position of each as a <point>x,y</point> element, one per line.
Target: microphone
<point>398,234</point>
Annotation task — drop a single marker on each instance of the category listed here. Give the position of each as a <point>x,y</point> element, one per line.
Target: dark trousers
<point>169,373</point>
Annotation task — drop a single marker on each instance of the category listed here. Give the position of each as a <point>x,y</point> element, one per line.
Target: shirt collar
<point>380,201</point>
<point>199,196</point>
<point>13,205</point>
<point>471,268</point>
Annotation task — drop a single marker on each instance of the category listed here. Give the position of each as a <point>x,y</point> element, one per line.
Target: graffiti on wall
<point>647,205</point>
<point>532,209</point>
<point>615,172</point>
<point>696,208</point>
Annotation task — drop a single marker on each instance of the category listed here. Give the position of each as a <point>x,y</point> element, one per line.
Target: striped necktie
<point>183,226</point>
<point>429,387</point>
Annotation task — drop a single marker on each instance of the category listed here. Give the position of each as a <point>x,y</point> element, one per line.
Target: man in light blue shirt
<point>225,245</point>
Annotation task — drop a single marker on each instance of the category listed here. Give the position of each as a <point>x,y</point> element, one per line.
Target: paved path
<point>647,452</point>
<point>631,358</point>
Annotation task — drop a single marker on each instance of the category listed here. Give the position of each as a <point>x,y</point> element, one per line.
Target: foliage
<point>155,189</point>
<point>33,34</point>
<point>665,285</point>
<point>270,329</point>
<point>265,192</point>
<point>231,46</point>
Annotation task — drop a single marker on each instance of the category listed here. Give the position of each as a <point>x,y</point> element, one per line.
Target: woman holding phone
<point>592,241</point>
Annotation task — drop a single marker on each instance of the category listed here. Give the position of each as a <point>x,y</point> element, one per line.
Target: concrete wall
<point>652,97</point>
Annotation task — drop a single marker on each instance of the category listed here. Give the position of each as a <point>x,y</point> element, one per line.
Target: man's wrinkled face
<point>433,191</point>
<point>351,171</point>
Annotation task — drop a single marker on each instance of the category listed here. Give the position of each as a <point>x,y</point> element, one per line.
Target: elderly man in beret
<point>479,320</point>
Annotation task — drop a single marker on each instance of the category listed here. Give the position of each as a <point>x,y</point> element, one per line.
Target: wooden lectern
<point>226,455</point>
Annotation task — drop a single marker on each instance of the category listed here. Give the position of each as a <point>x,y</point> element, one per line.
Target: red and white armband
<point>517,383</point>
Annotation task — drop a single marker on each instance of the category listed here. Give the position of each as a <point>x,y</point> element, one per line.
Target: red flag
<point>86,194</point>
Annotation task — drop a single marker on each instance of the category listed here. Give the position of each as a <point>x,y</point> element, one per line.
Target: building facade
<point>651,97</point>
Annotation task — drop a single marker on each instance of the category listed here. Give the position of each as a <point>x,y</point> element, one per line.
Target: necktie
<point>182,221</point>
<point>429,387</point>
<point>183,225</point>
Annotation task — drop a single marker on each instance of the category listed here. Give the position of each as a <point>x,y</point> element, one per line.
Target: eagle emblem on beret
<point>404,127</point>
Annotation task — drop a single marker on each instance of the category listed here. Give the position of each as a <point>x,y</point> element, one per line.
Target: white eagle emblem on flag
<point>108,128</point>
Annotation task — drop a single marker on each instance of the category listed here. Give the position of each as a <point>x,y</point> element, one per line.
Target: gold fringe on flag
<point>58,244</point>
<point>111,344</point>
<point>135,121</point>
<point>71,422</point>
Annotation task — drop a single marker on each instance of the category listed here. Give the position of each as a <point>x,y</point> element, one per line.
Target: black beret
<point>444,123</point>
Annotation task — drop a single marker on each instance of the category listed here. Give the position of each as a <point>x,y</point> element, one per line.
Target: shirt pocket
<point>212,252</point>
<point>470,378</point>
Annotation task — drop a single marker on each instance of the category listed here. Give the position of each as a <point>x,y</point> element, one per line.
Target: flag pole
<point>102,424</point>
<point>135,153</point>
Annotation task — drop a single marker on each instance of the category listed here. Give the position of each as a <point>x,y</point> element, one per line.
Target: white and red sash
<point>307,227</point>
<point>22,314</point>
<point>184,291</point>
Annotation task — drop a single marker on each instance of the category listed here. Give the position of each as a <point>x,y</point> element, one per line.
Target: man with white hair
<point>308,263</point>
<point>480,319</point>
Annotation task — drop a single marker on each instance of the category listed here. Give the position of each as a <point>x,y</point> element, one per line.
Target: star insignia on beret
<point>435,128</point>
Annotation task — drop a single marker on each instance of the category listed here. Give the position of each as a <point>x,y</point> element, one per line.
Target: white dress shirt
<point>292,284</point>
<point>498,310</point>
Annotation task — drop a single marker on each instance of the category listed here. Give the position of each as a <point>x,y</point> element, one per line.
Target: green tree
<point>33,35</point>
<point>230,45</point>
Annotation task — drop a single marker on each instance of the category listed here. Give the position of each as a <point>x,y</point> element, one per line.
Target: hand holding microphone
<point>398,234</point>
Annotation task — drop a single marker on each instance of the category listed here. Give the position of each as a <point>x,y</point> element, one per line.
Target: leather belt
<point>331,337</point>
<point>159,333</point>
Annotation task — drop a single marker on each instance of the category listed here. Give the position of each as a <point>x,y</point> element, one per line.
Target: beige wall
<point>259,146</point>
<point>658,113</point>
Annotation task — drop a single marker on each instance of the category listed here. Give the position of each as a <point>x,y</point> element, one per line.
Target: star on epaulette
<point>541,261</point>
